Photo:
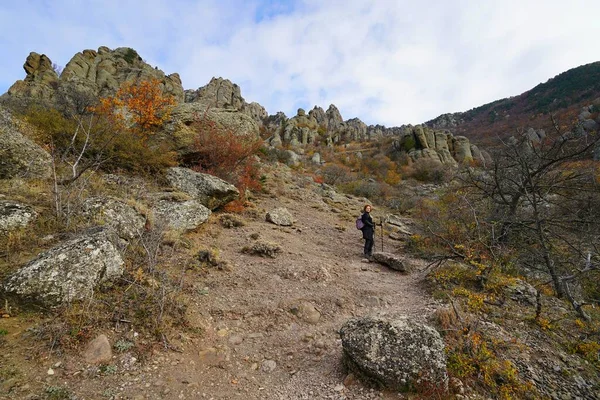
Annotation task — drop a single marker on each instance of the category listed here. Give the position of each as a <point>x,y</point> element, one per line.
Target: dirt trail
<point>269,325</point>
<point>263,338</point>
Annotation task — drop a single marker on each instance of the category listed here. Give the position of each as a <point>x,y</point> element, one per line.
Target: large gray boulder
<point>397,354</point>
<point>210,191</point>
<point>14,216</point>
<point>280,216</point>
<point>116,214</point>
<point>67,272</point>
<point>390,260</point>
<point>20,157</point>
<point>181,215</point>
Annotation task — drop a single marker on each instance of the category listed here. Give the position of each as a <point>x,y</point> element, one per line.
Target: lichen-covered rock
<point>116,214</point>
<point>398,223</point>
<point>15,215</point>
<point>210,191</point>
<point>183,215</point>
<point>67,272</point>
<point>521,292</point>
<point>390,260</point>
<point>22,158</point>
<point>184,115</point>
<point>39,81</point>
<point>397,354</point>
<point>280,216</point>
<point>462,149</point>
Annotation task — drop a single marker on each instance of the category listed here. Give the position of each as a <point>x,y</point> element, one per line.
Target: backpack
<point>359,223</point>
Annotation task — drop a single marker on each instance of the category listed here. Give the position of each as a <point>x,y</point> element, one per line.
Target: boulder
<point>390,260</point>
<point>210,191</point>
<point>116,214</point>
<point>293,158</point>
<point>397,354</point>
<point>590,125</point>
<point>14,216</point>
<point>521,292</point>
<point>98,351</point>
<point>20,157</point>
<point>280,216</point>
<point>67,272</point>
<point>182,216</point>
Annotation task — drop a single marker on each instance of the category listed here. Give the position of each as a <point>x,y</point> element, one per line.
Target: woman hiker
<point>368,230</point>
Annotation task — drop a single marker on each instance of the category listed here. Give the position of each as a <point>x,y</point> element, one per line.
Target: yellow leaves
<point>142,105</point>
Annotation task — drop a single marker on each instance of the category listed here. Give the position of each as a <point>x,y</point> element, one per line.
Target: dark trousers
<point>369,246</point>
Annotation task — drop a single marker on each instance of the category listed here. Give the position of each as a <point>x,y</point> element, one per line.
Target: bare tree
<point>543,199</point>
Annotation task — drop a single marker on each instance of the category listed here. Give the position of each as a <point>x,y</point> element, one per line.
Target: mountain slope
<point>562,96</point>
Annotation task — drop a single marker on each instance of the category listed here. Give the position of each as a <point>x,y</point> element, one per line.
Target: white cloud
<point>389,62</point>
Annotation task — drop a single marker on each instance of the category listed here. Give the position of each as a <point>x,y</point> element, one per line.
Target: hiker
<point>368,230</point>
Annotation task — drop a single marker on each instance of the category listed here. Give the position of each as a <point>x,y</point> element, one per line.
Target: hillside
<point>562,96</point>
<point>157,243</point>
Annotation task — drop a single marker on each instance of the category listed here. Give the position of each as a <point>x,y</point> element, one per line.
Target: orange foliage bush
<point>145,103</point>
<point>227,154</point>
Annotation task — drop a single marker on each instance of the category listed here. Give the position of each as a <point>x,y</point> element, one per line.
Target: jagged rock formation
<point>397,354</point>
<point>221,93</point>
<point>90,72</point>
<point>67,272</point>
<point>439,146</point>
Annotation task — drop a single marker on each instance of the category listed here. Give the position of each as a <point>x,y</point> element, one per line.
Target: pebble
<point>236,340</point>
<point>268,366</point>
<point>50,371</point>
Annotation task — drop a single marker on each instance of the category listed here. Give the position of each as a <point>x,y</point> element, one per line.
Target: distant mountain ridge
<point>562,96</point>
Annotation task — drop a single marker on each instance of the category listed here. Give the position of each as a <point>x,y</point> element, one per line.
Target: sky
<point>388,62</point>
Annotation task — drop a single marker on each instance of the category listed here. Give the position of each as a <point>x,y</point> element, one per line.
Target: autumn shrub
<point>231,221</point>
<point>430,171</point>
<point>476,358</point>
<point>230,155</point>
<point>334,174</point>
<point>263,249</point>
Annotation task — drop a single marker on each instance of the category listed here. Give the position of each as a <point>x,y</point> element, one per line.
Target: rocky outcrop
<point>20,157</point>
<point>15,216</point>
<point>184,116</point>
<point>41,79</point>
<point>223,94</point>
<point>390,260</point>
<point>280,216</point>
<point>421,142</point>
<point>210,191</point>
<point>183,215</point>
<point>115,214</point>
<point>397,354</point>
<point>67,272</point>
<point>96,73</point>
<point>218,93</point>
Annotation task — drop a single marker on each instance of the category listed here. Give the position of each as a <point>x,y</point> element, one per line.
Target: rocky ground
<point>267,328</point>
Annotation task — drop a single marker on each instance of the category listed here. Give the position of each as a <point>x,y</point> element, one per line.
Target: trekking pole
<point>381,219</point>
